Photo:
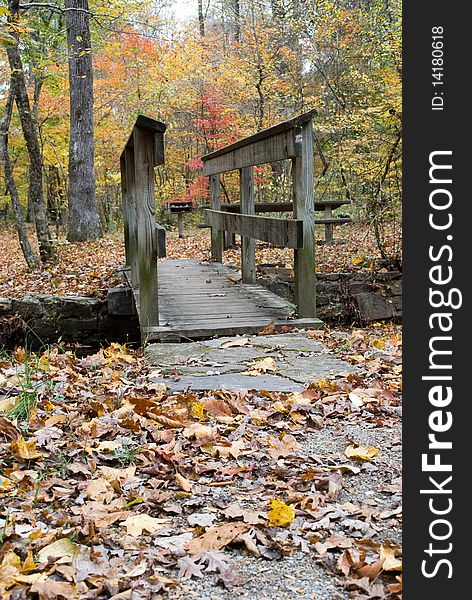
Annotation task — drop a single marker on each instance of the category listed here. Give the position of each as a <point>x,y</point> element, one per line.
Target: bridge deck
<point>202,300</point>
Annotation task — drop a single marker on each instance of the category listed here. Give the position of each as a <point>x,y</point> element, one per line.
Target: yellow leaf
<point>24,450</point>
<point>357,261</point>
<point>390,562</point>
<point>63,551</point>
<point>197,409</point>
<point>361,452</point>
<point>280,514</point>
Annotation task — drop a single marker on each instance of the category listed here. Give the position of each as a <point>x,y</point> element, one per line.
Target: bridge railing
<point>292,140</point>
<point>144,238</point>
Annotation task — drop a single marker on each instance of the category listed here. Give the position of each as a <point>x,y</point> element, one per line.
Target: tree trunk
<point>30,133</point>
<point>201,20</point>
<point>236,20</point>
<point>84,222</point>
<point>30,257</point>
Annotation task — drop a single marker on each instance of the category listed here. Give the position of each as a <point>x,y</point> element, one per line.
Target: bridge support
<point>291,140</point>
<point>144,240</point>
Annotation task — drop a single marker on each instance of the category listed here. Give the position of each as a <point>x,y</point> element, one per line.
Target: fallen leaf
<point>244,341</point>
<point>361,452</point>
<point>197,409</point>
<point>23,450</point>
<point>100,490</point>
<point>136,524</point>
<point>261,366</point>
<point>217,537</point>
<point>8,430</point>
<point>189,567</point>
<point>280,514</point>
<point>390,563</point>
<point>346,468</point>
<point>63,551</point>
<point>184,483</point>
<point>201,519</point>
<point>54,590</point>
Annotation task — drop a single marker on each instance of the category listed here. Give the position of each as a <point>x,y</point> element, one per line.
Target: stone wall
<point>90,321</point>
<point>358,297</point>
<point>355,297</point>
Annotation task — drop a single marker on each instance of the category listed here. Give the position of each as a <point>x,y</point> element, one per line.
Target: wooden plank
<point>157,128</point>
<point>216,234</point>
<point>248,244</point>
<point>303,194</point>
<point>128,158</point>
<point>333,221</point>
<point>146,238</point>
<point>328,216</point>
<point>192,332</point>
<point>286,233</point>
<point>124,208</point>
<point>161,241</point>
<point>270,132</point>
<point>278,147</point>
<point>263,207</point>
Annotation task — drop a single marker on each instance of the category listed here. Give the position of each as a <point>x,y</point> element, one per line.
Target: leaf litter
<point>113,488</point>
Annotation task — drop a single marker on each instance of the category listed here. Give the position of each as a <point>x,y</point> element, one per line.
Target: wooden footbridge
<point>188,299</point>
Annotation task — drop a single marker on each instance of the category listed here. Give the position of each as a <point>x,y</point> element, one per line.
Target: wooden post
<point>248,245</point>
<point>328,214</point>
<point>304,209</point>
<point>216,235</point>
<point>180,223</point>
<point>128,156</point>
<point>143,142</point>
<point>124,208</point>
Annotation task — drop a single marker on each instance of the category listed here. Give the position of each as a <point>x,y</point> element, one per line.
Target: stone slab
<point>207,365</point>
<point>232,382</point>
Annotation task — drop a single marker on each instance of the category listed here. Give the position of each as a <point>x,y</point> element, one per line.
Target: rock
<point>70,318</point>
<point>120,301</point>
<point>27,307</point>
<point>5,306</point>
<point>232,382</point>
<point>373,307</point>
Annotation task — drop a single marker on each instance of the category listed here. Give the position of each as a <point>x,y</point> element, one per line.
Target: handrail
<point>293,140</point>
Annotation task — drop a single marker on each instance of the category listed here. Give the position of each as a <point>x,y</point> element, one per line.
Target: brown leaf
<point>184,483</point>
<point>217,537</point>
<point>136,524</point>
<point>371,570</point>
<point>8,431</point>
<point>54,590</point>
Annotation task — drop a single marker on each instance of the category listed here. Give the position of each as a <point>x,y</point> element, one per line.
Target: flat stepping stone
<point>231,382</point>
<point>208,365</point>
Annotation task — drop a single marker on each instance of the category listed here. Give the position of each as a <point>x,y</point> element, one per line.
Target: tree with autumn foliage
<point>231,70</point>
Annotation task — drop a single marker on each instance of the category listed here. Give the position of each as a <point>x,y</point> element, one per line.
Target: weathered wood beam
<point>279,146</point>
<point>248,244</point>
<point>263,207</point>
<point>291,124</point>
<point>157,128</point>
<point>130,195</point>
<point>216,234</point>
<point>286,233</point>
<point>147,249</point>
<point>304,209</point>
<point>161,241</point>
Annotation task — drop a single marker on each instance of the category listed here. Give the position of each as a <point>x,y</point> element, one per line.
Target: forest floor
<point>114,484</point>
<point>87,268</point>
